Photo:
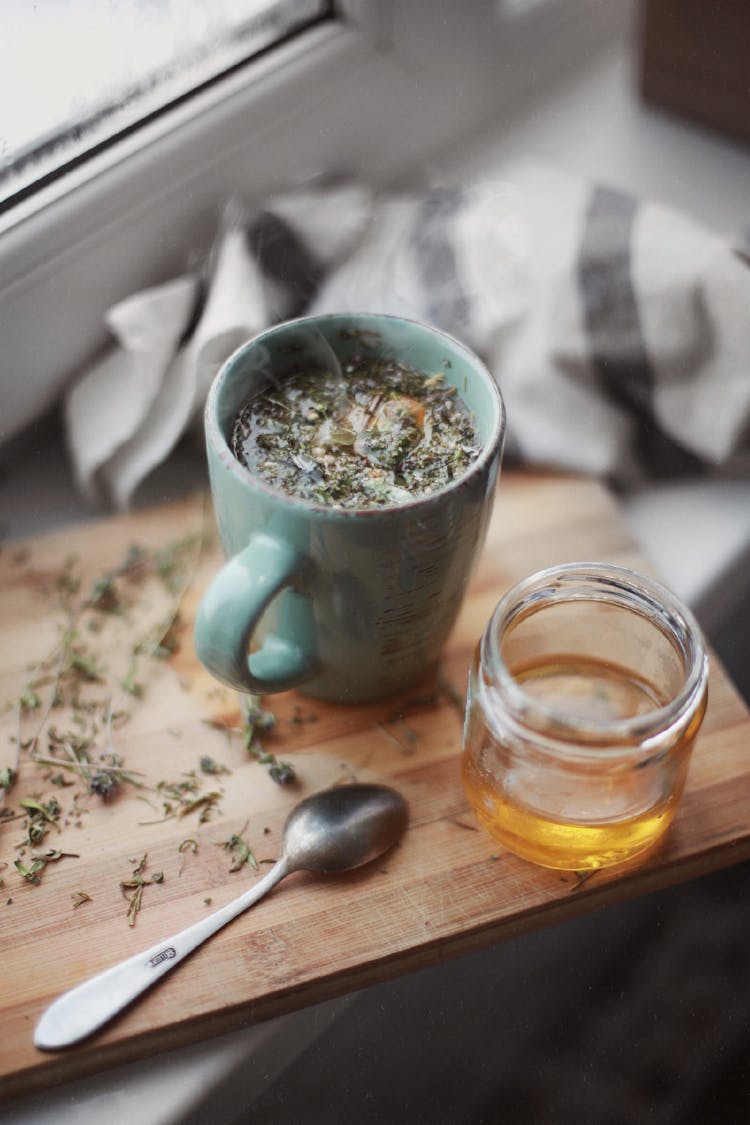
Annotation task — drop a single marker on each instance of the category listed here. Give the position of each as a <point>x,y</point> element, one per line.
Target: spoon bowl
<point>335,830</point>
<point>343,828</point>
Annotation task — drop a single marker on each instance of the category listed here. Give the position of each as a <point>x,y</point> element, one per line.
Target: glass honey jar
<point>586,693</point>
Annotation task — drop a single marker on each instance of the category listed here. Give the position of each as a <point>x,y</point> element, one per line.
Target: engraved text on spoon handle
<point>85,1008</point>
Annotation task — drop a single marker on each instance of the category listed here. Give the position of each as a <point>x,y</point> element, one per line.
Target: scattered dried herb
<point>299,717</point>
<point>83,767</point>
<point>206,802</point>
<point>40,817</point>
<point>128,682</point>
<point>256,718</point>
<point>60,781</point>
<point>185,846</point>
<point>74,665</point>
<point>240,851</point>
<point>104,782</point>
<point>133,888</point>
<point>33,872</point>
<point>210,766</point>
<point>30,701</point>
<point>372,434</point>
<point>74,685</point>
<point>183,796</point>
<point>79,897</point>
<point>8,778</point>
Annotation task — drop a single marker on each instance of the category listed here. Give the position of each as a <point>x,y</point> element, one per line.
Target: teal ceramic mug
<point>347,605</point>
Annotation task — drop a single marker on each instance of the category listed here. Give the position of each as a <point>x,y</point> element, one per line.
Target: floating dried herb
<point>374,434</point>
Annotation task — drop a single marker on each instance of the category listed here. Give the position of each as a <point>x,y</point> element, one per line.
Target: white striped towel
<point>618,330</point>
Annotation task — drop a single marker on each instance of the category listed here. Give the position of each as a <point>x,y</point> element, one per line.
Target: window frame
<point>375,92</point>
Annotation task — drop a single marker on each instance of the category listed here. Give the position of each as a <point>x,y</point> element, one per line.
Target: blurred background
<point>125,130</point>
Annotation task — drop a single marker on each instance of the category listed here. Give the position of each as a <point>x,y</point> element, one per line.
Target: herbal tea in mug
<point>586,694</point>
<point>371,433</point>
<point>353,462</point>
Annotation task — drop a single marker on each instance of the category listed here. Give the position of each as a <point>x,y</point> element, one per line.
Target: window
<point>74,74</point>
<point>373,88</point>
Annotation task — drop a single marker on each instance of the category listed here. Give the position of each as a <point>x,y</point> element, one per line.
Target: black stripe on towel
<point>285,259</point>
<point>610,307</point>
<point>610,312</point>
<point>446,303</point>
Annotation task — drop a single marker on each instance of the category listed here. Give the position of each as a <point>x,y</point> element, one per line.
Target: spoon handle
<point>86,1007</point>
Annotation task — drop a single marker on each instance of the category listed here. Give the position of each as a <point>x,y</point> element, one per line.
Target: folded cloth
<point>618,330</point>
<point>126,414</point>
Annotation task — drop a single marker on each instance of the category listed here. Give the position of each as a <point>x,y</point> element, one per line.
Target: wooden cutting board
<point>125,650</point>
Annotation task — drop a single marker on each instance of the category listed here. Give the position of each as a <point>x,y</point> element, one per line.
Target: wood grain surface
<point>446,889</point>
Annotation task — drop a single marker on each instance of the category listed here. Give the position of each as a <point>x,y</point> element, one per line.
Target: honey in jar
<point>586,694</point>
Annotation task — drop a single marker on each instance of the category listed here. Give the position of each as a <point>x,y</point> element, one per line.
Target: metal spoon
<point>334,830</point>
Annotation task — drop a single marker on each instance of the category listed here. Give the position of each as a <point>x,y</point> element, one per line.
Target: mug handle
<point>234,604</point>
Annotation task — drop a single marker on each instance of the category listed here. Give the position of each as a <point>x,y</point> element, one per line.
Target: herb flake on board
<point>133,888</point>
<point>66,714</point>
<point>32,870</point>
<point>258,719</point>
<point>188,845</point>
<point>239,850</point>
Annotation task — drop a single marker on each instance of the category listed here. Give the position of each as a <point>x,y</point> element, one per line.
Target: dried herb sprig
<point>283,773</point>
<point>133,888</point>
<point>103,775</point>
<point>72,676</point>
<point>8,778</point>
<point>209,765</point>
<point>40,817</point>
<point>73,665</point>
<point>184,796</point>
<point>189,845</point>
<point>33,872</point>
<point>258,719</point>
<point>240,850</point>
<point>84,769</point>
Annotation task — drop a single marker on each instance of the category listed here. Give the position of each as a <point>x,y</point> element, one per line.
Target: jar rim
<point>613,585</point>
